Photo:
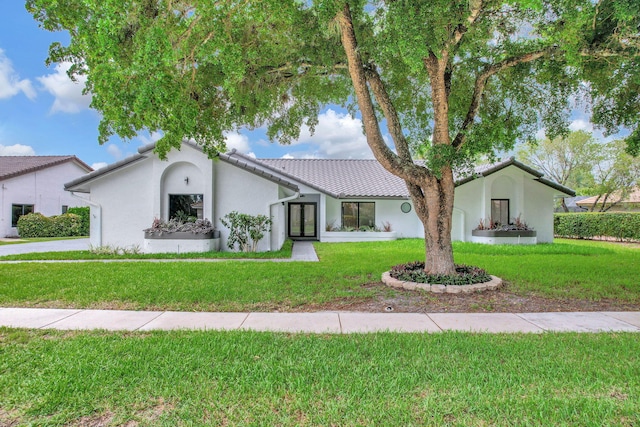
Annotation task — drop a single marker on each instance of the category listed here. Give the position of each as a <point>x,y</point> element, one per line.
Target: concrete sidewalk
<point>320,322</point>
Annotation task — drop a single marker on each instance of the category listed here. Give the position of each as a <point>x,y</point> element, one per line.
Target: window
<point>17,211</point>
<point>500,211</point>
<point>65,208</point>
<point>358,214</point>
<point>186,207</point>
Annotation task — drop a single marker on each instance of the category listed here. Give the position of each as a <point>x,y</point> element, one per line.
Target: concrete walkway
<point>320,322</point>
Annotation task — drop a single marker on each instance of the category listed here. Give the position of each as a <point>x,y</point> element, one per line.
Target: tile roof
<point>11,166</point>
<point>367,178</point>
<point>341,178</point>
<point>632,198</point>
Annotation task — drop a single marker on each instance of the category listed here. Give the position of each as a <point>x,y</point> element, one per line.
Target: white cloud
<point>580,124</point>
<point>115,151</point>
<point>337,136</point>
<point>68,94</point>
<point>150,138</point>
<point>10,83</point>
<point>99,165</point>
<point>238,141</point>
<point>16,150</point>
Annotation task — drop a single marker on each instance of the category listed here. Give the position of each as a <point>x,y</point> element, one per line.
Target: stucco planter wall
<point>357,236</point>
<point>522,237</point>
<point>181,242</point>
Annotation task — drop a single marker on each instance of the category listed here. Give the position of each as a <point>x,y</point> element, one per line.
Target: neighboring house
<point>571,203</point>
<point>306,199</point>
<point>613,202</point>
<point>36,184</point>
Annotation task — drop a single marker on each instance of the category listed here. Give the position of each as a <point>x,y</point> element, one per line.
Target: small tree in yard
<point>451,79</point>
<point>245,230</point>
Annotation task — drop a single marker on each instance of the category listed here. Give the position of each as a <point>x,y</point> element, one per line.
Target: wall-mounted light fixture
<point>186,180</point>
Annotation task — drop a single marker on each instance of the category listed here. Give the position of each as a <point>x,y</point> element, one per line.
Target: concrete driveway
<point>52,246</point>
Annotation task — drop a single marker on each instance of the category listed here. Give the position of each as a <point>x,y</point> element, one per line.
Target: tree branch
<point>461,29</point>
<point>481,83</point>
<point>393,121</point>
<point>387,158</point>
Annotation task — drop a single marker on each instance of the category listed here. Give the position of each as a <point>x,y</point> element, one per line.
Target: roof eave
<point>229,158</point>
<point>75,185</point>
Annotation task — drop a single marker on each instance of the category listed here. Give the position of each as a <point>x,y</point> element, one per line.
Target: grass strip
<point>55,378</point>
<point>283,253</point>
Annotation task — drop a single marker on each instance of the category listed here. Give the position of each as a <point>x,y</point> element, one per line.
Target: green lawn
<point>184,378</point>
<point>567,269</point>
<point>248,378</point>
<point>284,252</point>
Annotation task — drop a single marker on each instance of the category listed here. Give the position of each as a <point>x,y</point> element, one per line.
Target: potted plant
<point>518,231</point>
<point>177,236</point>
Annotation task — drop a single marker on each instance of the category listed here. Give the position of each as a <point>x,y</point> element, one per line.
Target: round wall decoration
<point>405,207</point>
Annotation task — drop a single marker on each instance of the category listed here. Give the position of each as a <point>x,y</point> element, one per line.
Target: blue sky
<point>43,113</point>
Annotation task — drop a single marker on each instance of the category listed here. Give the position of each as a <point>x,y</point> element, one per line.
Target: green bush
<point>38,225</point>
<point>245,230</point>
<point>618,225</point>
<point>84,212</point>
<point>35,225</point>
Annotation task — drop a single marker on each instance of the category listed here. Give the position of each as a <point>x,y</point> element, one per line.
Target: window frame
<point>22,206</point>
<point>508,202</point>
<point>358,224</point>
<point>169,204</point>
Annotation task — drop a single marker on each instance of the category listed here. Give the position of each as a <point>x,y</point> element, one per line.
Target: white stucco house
<point>36,184</point>
<point>307,199</point>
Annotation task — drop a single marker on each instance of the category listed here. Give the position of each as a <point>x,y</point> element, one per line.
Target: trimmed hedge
<point>588,225</point>
<point>84,212</point>
<point>38,225</point>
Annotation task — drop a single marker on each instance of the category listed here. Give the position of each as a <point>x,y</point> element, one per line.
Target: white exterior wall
<point>538,205</point>
<point>133,196</point>
<point>43,188</point>
<point>387,210</point>
<point>125,200</point>
<point>529,199</point>
<point>468,208</point>
<point>239,190</point>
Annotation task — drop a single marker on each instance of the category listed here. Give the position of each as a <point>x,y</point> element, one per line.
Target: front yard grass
<point>284,252</point>
<point>55,378</point>
<point>566,269</point>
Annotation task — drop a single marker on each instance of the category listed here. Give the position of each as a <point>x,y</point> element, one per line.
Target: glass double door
<point>302,220</point>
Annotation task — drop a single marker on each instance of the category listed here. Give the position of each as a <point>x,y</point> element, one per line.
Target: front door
<point>302,220</point>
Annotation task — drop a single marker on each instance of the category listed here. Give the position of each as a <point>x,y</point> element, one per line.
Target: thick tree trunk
<point>432,193</point>
<point>433,203</point>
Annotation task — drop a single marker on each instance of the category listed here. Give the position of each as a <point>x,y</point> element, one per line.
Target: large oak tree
<point>450,79</point>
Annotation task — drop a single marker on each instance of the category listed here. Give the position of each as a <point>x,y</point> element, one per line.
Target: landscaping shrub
<point>588,225</point>
<point>245,230</point>
<point>414,272</point>
<point>37,225</point>
<point>84,212</point>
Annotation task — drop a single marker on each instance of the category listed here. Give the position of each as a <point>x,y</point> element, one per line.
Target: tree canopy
<point>195,69</point>
<point>451,79</point>
<point>590,167</point>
